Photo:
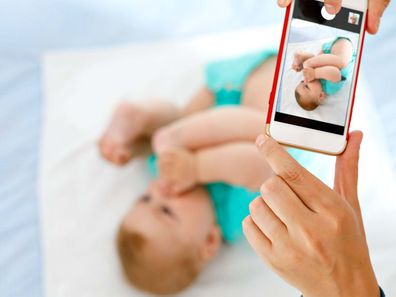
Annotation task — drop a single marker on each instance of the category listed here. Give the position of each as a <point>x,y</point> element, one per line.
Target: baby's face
<point>310,93</point>
<point>168,220</point>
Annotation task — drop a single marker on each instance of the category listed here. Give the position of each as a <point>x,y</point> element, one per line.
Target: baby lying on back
<point>206,170</point>
<point>324,74</point>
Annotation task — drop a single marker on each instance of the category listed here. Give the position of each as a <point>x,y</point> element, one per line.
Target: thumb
<point>346,176</point>
<point>333,6</point>
<point>375,12</point>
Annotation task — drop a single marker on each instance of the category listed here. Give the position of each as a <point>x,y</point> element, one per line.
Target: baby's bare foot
<point>122,138</point>
<point>299,59</point>
<point>298,62</point>
<point>177,169</point>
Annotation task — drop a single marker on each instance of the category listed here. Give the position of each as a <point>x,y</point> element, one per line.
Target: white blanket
<point>83,197</point>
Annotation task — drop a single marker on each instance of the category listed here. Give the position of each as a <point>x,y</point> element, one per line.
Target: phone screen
<point>319,68</point>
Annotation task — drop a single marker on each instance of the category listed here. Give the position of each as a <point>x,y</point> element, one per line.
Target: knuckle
<point>255,205</point>
<point>293,174</point>
<point>337,223</point>
<point>271,185</point>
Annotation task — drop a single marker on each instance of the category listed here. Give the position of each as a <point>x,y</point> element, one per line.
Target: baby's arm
<point>329,73</point>
<point>324,60</point>
<point>211,127</point>
<point>236,163</point>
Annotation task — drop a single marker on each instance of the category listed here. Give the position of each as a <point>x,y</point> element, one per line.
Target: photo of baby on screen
<point>324,73</point>
<point>318,72</point>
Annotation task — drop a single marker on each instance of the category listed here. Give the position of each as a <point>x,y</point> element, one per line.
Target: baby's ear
<point>322,97</point>
<point>211,245</point>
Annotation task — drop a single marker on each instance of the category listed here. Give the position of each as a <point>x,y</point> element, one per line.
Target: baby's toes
<point>114,152</point>
<point>121,156</point>
<point>106,148</point>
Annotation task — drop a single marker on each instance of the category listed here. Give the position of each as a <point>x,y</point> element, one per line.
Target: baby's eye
<point>166,210</point>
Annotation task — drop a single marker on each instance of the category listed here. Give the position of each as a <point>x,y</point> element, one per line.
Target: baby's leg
<point>258,86</point>
<point>341,55</point>
<point>344,50</point>
<point>211,127</point>
<point>130,127</point>
<point>299,58</point>
<point>133,124</point>
<point>236,163</point>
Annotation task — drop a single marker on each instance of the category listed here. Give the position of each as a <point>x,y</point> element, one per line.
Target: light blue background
<point>28,28</point>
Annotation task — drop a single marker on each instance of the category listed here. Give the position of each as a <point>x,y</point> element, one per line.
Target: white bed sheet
<point>83,197</point>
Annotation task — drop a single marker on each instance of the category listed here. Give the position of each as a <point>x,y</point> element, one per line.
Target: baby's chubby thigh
<point>343,48</point>
<point>211,127</point>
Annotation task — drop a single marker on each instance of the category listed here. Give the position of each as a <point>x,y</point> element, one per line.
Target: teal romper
<point>226,79</point>
<point>331,88</point>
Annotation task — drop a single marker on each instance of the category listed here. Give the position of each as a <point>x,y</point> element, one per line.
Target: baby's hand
<point>309,74</point>
<point>177,169</point>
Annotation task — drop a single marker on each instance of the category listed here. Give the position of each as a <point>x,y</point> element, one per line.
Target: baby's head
<point>310,95</point>
<point>164,241</point>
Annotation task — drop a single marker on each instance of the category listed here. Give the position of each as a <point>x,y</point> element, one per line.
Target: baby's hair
<point>147,273</point>
<point>307,105</point>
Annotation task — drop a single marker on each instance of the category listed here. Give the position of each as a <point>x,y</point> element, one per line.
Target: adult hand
<point>309,234</point>
<point>376,9</point>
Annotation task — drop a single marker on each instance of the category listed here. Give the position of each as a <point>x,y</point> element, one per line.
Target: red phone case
<point>278,64</point>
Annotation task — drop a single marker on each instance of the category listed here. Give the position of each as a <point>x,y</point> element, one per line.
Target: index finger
<point>301,181</point>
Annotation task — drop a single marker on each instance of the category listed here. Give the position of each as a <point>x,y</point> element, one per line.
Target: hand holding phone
<point>317,71</point>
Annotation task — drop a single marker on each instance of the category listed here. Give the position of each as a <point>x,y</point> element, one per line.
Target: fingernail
<point>261,139</point>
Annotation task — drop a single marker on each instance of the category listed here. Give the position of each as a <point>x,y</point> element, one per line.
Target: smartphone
<point>313,93</point>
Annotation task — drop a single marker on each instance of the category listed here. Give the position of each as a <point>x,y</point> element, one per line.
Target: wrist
<point>360,282</point>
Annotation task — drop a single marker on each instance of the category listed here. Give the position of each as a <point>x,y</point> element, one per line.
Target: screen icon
<point>354,18</point>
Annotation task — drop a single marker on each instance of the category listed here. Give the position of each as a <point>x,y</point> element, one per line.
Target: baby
<point>206,172</point>
<point>324,74</point>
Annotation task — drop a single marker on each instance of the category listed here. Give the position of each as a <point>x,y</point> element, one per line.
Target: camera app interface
<point>319,67</point>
